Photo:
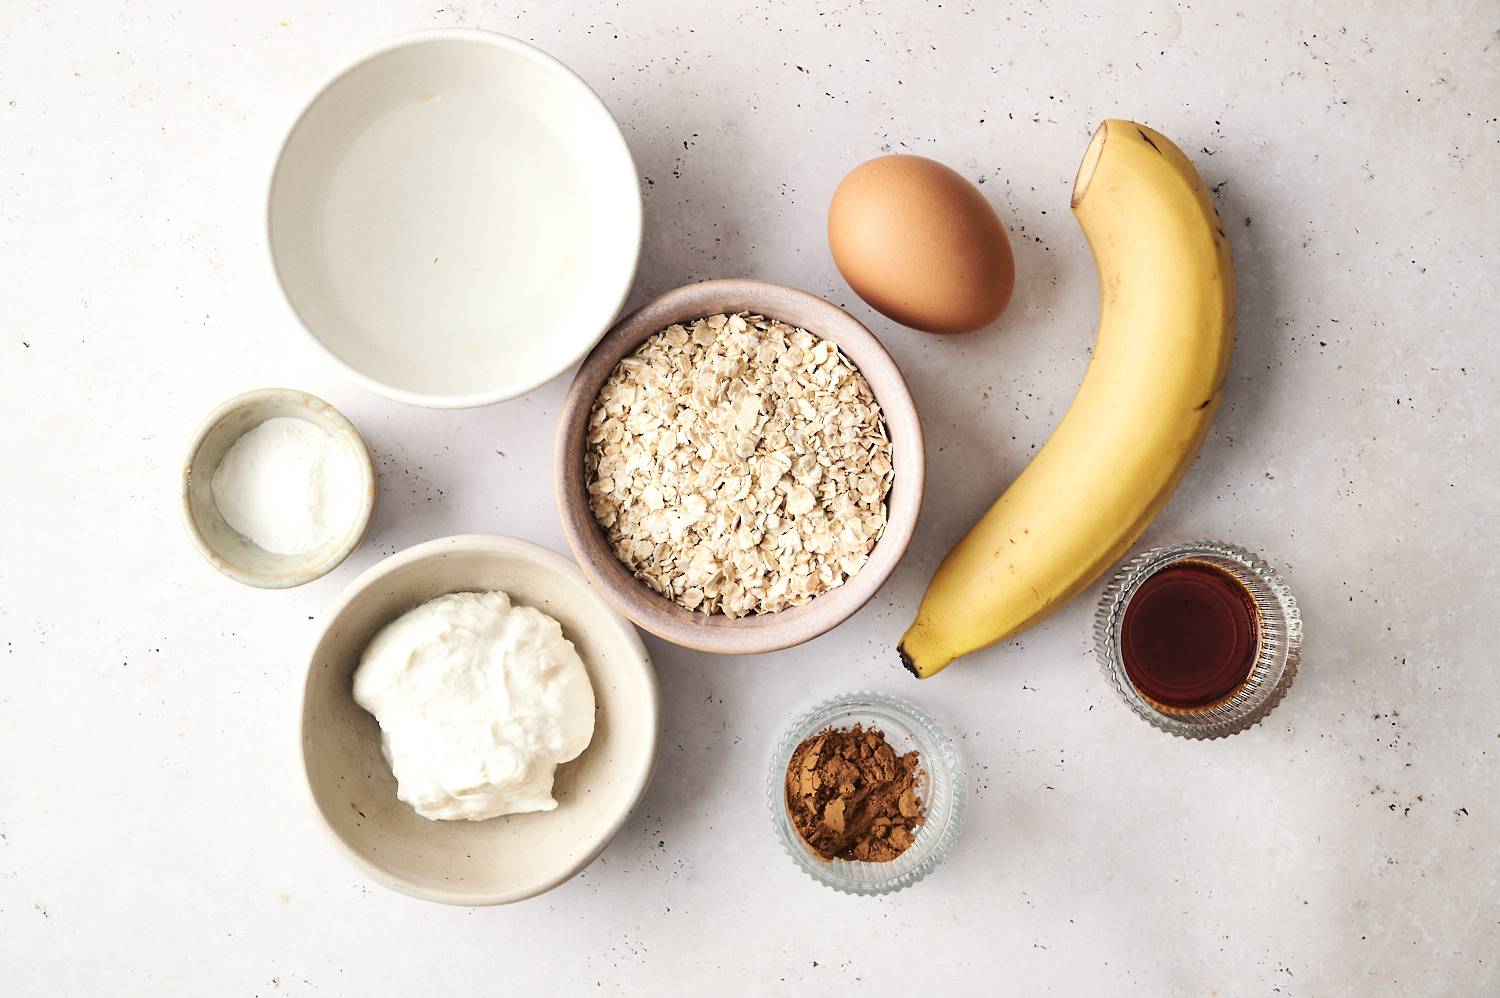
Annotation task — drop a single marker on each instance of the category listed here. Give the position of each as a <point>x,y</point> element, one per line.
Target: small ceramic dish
<point>757,633</point>
<point>455,218</point>
<point>503,859</point>
<point>228,550</point>
<point>943,792</point>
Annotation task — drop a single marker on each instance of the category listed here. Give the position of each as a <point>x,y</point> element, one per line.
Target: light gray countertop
<point>153,836</point>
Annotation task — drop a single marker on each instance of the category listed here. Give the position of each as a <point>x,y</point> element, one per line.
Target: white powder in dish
<point>287,486</point>
<point>478,702</point>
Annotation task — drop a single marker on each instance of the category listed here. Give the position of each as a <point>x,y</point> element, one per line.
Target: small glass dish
<point>1279,627</point>
<point>942,792</point>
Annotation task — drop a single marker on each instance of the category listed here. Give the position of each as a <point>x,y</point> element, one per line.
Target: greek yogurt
<point>478,701</point>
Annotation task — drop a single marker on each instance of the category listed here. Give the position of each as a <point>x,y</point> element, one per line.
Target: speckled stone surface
<point>153,836</point>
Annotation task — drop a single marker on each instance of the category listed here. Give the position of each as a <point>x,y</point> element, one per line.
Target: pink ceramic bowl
<point>757,633</point>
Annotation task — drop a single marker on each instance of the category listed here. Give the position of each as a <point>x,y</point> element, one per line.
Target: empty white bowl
<point>503,859</point>
<point>455,218</point>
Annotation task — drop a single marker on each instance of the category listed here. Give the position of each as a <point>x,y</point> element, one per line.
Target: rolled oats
<point>738,465</point>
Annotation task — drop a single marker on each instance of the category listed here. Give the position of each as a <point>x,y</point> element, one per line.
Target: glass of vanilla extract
<point>1200,639</point>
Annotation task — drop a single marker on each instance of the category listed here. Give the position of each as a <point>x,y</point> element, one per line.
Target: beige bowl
<point>758,633</point>
<point>504,859</point>
<point>226,548</point>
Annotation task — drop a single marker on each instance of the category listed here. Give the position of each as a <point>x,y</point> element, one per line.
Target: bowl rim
<point>612,137</point>
<point>505,546</point>
<point>315,406</point>
<point>785,628</point>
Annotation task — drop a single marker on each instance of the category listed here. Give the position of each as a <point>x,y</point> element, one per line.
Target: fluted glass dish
<point>942,791</point>
<point>1279,636</point>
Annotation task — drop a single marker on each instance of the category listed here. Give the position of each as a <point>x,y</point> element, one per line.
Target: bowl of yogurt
<point>277,488</point>
<point>477,722</point>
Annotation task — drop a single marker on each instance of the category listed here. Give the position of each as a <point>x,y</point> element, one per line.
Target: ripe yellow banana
<point>1166,328</point>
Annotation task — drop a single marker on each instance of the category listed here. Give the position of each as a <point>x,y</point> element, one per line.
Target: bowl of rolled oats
<point>739,466</point>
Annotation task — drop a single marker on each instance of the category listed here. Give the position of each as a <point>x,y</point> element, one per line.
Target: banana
<point>1166,329</point>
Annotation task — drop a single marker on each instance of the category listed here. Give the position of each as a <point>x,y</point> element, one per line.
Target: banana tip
<point>906,661</point>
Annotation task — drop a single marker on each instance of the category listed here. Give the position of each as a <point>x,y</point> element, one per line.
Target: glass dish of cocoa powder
<point>866,793</point>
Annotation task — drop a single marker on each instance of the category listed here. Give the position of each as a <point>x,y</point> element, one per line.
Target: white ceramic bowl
<point>455,218</point>
<point>226,548</point>
<point>503,859</point>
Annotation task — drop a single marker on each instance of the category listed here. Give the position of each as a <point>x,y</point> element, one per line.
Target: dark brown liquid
<point>1190,636</point>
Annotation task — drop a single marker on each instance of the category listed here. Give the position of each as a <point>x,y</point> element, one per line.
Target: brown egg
<point>921,245</point>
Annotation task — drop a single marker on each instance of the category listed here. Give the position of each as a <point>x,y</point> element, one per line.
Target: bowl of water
<point>455,218</point>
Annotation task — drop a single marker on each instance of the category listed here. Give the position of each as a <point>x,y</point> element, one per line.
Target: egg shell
<point>921,245</point>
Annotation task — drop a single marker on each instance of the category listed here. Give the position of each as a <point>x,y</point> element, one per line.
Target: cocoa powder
<point>850,796</point>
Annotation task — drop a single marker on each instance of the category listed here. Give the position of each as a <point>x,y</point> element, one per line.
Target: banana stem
<point>1090,162</point>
